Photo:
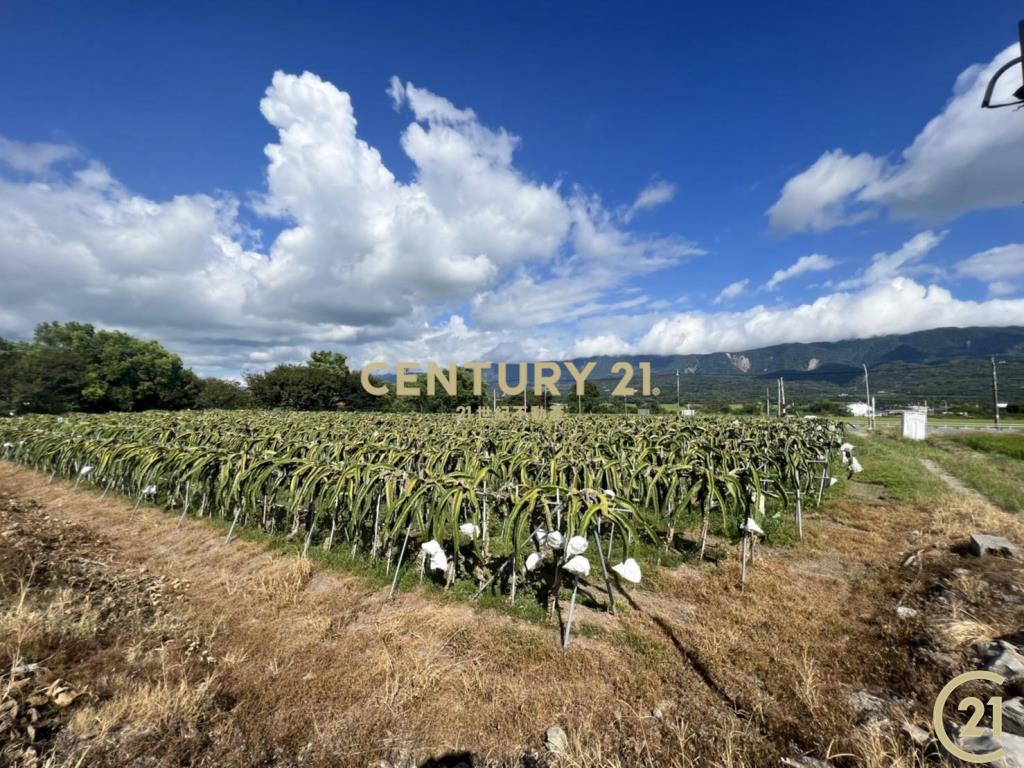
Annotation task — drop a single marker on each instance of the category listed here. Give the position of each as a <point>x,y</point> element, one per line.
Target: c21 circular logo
<point>977,707</point>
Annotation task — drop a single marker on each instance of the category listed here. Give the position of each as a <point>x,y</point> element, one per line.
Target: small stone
<point>1013,716</point>
<point>913,560</point>
<point>1013,747</point>
<point>556,740</point>
<point>863,703</point>
<point>917,734</point>
<point>657,714</point>
<point>905,612</point>
<point>1002,658</point>
<point>65,699</point>
<point>982,544</point>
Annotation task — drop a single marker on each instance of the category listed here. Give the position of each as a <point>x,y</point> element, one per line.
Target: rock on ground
<point>1002,658</point>
<point>989,742</point>
<point>863,703</point>
<point>556,740</point>
<point>982,544</point>
<point>1013,716</point>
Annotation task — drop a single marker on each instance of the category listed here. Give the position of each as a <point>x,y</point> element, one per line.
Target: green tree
<point>129,374</point>
<point>591,399</point>
<point>73,366</point>
<point>333,361</point>
<point>10,354</point>
<point>441,401</point>
<point>299,387</point>
<point>48,381</point>
<point>325,383</point>
<point>225,394</point>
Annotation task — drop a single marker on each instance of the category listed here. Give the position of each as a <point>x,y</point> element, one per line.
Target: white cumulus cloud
<point>1000,267</point>
<point>885,266</point>
<point>364,260</point>
<point>900,305</point>
<point>965,158</point>
<point>33,157</point>
<point>819,198</point>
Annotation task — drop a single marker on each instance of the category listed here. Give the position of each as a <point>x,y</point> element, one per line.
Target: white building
<point>859,409</point>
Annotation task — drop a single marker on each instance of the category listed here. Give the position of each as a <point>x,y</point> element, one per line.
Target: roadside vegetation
<point>992,464</point>
<point>1009,444</point>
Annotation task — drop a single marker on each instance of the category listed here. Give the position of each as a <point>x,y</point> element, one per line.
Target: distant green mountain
<point>942,364</point>
<point>936,345</point>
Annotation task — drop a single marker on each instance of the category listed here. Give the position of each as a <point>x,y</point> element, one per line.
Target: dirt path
<point>954,483</point>
<point>189,651</point>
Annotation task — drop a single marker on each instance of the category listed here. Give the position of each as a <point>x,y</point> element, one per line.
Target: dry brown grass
<point>47,620</point>
<point>283,580</point>
<point>877,746</point>
<point>958,633</point>
<point>956,517</point>
<point>170,707</point>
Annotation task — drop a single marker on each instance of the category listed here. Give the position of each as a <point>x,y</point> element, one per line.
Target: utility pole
<point>767,403</point>
<point>867,398</point>
<point>678,412</point>
<point>779,399</point>
<point>995,394</point>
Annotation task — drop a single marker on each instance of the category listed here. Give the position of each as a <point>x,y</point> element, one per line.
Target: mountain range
<point>942,364</point>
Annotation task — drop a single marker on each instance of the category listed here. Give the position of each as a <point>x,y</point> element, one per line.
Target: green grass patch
<point>1009,444</point>
<point>988,463</point>
<point>996,476</point>
<point>896,464</point>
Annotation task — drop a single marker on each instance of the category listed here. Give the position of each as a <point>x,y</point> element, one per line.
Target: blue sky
<point>539,181</point>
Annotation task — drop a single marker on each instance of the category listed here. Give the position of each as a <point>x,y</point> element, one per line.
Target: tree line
<point>74,366</point>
